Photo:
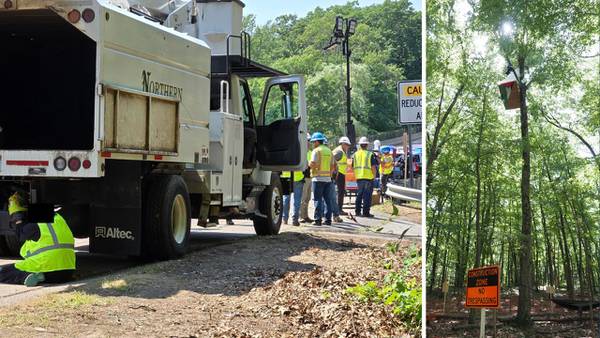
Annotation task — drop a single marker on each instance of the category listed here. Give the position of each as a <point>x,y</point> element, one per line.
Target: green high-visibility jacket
<point>298,175</point>
<point>362,165</point>
<point>53,251</point>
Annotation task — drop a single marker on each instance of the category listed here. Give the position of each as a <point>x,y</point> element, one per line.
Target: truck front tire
<point>270,205</point>
<point>167,218</point>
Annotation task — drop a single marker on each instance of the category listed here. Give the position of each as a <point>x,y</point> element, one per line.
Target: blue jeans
<point>363,197</point>
<point>333,198</point>
<point>298,186</point>
<point>322,193</point>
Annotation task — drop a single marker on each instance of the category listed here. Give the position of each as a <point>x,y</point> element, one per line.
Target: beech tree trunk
<point>525,279</point>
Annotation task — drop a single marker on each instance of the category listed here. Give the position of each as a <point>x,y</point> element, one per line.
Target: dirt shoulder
<point>407,212</point>
<point>292,285</point>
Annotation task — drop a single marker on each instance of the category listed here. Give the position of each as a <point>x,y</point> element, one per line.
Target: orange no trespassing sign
<point>483,287</point>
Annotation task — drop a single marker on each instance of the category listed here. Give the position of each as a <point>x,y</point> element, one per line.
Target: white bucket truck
<point>136,116</point>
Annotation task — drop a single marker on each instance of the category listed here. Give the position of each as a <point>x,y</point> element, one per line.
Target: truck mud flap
<point>116,216</point>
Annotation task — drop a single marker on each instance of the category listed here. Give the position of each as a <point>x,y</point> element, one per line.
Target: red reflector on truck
<point>74,16</point>
<point>106,154</point>
<point>158,157</point>
<point>27,163</point>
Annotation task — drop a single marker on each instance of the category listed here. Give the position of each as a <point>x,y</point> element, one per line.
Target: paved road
<point>90,266</point>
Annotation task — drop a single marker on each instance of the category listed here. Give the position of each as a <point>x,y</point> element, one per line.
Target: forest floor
<point>292,285</point>
<point>549,319</point>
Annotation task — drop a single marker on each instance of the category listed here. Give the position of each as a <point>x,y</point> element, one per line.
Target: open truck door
<point>282,125</point>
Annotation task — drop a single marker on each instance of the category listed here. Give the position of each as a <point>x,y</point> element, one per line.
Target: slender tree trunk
<point>549,253</point>
<point>464,257</point>
<point>478,231</point>
<point>433,266</point>
<point>444,268</point>
<point>524,310</point>
<point>567,257</point>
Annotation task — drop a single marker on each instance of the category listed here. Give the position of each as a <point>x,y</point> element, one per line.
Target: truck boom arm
<point>171,13</point>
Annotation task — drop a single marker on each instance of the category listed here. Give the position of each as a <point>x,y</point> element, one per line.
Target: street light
<point>342,36</point>
<point>351,27</point>
<point>338,31</point>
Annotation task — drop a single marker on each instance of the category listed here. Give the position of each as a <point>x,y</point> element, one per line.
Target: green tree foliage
<point>386,48</point>
<point>477,148</point>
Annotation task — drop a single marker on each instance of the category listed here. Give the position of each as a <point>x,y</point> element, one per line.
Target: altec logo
<point>115,233</point>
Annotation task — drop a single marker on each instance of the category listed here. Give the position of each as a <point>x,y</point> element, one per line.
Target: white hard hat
<point>363,140</point>
<point>345,140</point>
<point>376,144</point>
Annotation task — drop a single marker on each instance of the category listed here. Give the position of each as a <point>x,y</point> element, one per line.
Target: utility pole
<point>350,131</point>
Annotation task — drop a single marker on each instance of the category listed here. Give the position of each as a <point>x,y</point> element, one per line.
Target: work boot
<point>230,222</point>
<point>369,215</point>
<point>285,221</point>
<point>296,223</point>
<point>343,213</point>
<point>317,223</point>
<point>327,222</point>
<point>338,219</point>
<point>34,279</point>
<point>307,220</point>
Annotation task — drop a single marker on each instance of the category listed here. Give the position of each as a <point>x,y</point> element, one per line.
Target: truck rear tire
<point>167,218</point>
<point>271,205</point>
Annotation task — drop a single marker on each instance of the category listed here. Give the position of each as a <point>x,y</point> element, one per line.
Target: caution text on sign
<point>410,102</point>
<point>483,287</point>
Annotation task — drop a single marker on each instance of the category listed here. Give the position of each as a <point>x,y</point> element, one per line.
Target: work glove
<point>16,219</point>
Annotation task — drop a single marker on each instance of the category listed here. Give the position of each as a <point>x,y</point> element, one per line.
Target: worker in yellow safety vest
<point>307,187</point>
<point>364,164</point>
<point>340,155</point>
<point>322,165</point>
<point>297,187</point>
<point>48,250</point>
<point>386,167</point>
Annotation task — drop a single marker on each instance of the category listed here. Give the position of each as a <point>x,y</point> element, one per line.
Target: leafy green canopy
<point>386,48</point>
<point>474,212</point>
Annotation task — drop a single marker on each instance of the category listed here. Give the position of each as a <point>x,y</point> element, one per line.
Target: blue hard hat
<point>317,137</point>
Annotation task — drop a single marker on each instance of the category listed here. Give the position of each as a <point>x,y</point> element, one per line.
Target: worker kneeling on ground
<point>48,252</point>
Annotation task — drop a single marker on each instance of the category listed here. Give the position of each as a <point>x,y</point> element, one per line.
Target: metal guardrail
<point>402,193</point>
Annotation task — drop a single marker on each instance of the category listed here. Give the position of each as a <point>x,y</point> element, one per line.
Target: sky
<point>266,10</point>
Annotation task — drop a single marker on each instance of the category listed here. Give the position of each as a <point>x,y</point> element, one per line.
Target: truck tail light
<point>60,163</point>
<point>88,15</point>
<point>87,164</point>
<point>74,16</point>
<point>8,4</point>
<point>74,163</point>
